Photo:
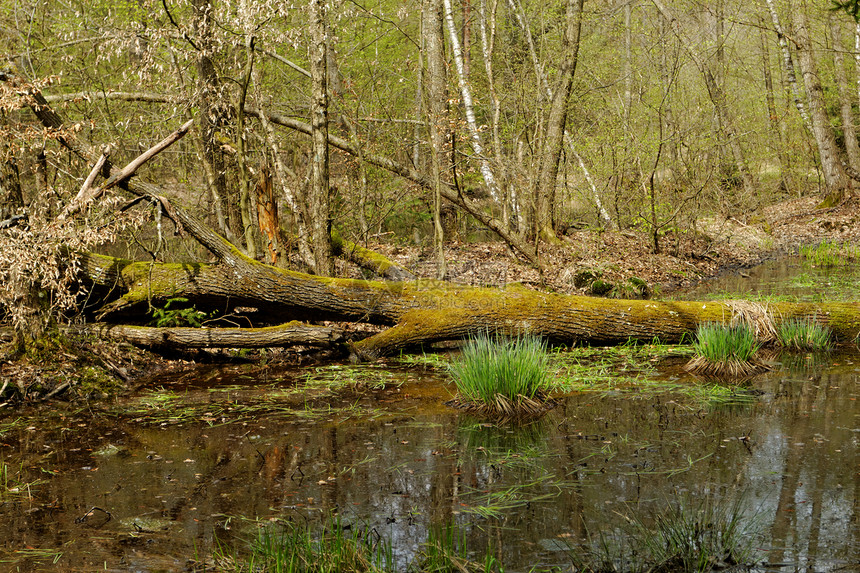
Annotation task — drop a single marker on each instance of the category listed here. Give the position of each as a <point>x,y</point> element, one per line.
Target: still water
<point>155,480</point>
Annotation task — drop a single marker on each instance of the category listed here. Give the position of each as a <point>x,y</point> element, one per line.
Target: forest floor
<point>715,246</point>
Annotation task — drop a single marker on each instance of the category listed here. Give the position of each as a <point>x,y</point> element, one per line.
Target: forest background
<point>430,123</point>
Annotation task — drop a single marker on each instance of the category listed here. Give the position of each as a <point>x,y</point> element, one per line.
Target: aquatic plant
<point>725,351</point>
<point>690,536</point>
<point>503,377</point>
<point>287,547</point>
<point>804,334</point>
<point>445,552</point>
<point>337,547</point>
<point>828,253</point>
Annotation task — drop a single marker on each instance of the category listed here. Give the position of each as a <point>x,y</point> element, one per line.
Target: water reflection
<point>528,494</point>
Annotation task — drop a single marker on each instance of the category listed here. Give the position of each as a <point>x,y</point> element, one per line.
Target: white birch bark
<point>468,105</point>
<point>788,67</point>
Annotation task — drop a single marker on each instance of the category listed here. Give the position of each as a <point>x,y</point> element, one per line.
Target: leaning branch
<point>51,119</point>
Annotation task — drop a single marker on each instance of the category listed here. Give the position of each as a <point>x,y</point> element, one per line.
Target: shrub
<point>503,377</point>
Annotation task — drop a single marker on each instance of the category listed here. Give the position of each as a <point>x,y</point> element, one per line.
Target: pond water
<point>157,480</point>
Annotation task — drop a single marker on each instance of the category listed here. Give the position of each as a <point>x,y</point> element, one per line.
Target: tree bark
<point>835,177</point>
<point>788,66</point>
<point>211,118</point>
<point>553,139</point>
<point>290,334</point>
<point>437,118</point>
<point>852,149</point>
<point>468,105</point>
<point>320,201</point>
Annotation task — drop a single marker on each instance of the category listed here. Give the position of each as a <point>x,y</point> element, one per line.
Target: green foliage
<point>828,253</point>
<point>167,317</point>
<point>720,343</point>
<point>804,334</point>
<point>336,547</point>
<point>725,351</point>
<point>503,375</point>
<point>290,548</point>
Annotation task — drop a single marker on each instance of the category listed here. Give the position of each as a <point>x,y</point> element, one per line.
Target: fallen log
<point>290,334</point>
<point>424,311</point>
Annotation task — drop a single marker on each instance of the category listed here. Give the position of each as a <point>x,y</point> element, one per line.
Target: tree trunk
<point>852,149</point>
<point>468,105</point>
<point>788,66</point>
<point>210,117</point>
<point>773,115</point>
<point>320,200</point>
<point>553,139</point>
<point>289,334</point>
<point>437,118</point>
<point>835,177</point>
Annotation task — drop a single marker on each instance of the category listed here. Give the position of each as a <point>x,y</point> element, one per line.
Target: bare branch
<point>129,169</point>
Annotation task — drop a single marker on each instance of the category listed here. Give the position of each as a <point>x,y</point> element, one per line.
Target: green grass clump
<point>804,334</point>
<point>828,253</point>
<point>291,548</point>
<point>689,536</point>
<point>503,377</point>
<point>725,350</point>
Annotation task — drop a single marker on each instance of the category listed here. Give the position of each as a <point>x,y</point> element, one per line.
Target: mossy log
<point>422,312</point>
<point>290,334</point>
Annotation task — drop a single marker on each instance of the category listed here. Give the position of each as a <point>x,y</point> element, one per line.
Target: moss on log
<point>428,311</point>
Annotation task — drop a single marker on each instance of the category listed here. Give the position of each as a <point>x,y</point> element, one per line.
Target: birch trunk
<point>788,66</point>
<point>468,104</point>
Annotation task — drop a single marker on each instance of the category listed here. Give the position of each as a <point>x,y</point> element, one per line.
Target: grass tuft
<point>506,378</point>
<point>725,351</point>
<point>804,334</point>
<point>287,547</point>
<point>829,253</point>
<point>689,536</point>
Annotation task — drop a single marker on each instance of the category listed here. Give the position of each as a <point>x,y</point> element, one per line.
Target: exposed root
<point>503,410</point>
<point>733,369</point>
